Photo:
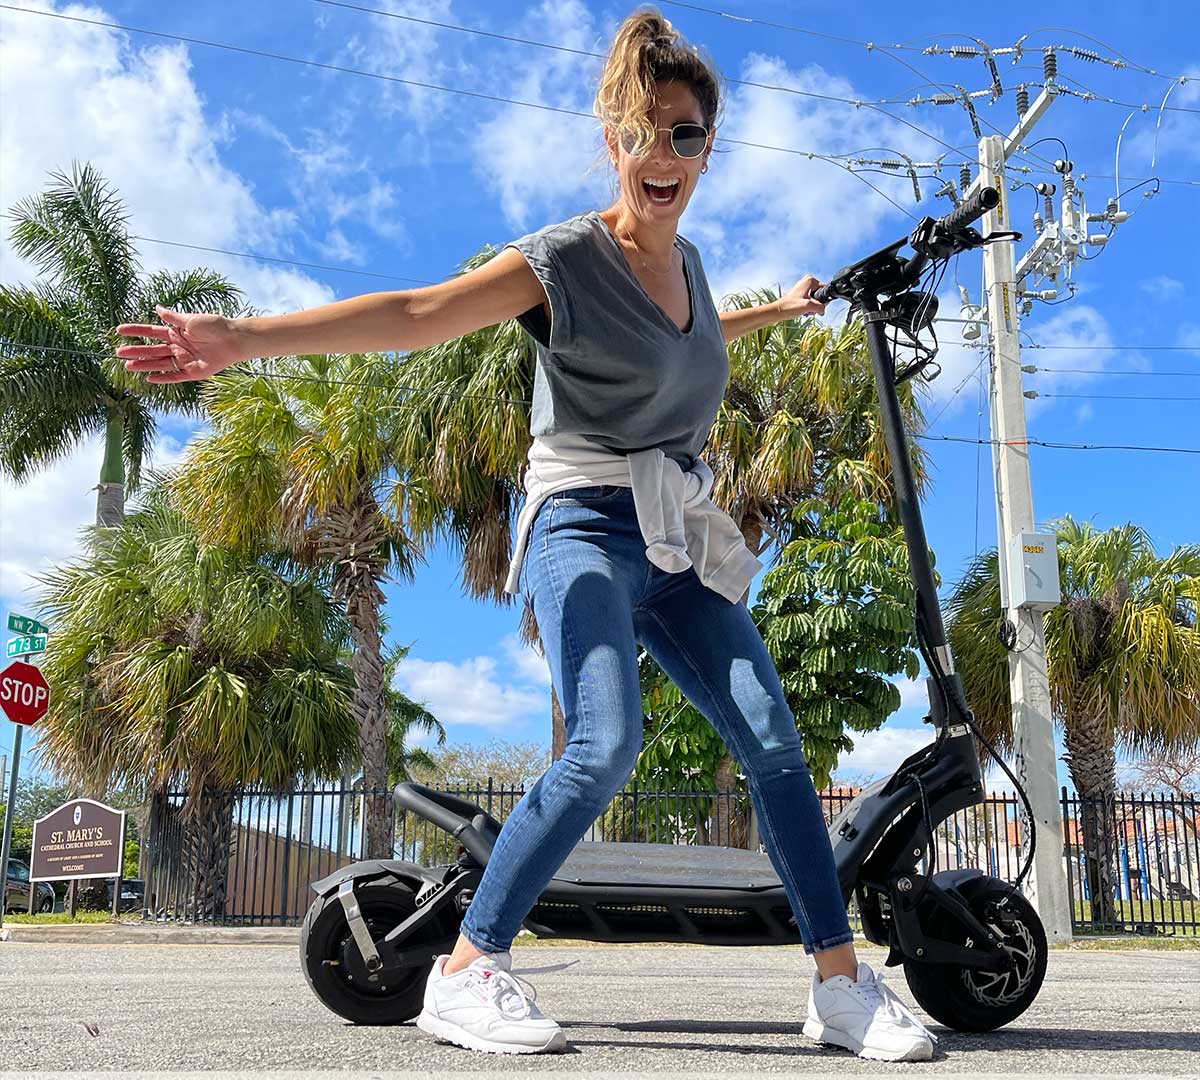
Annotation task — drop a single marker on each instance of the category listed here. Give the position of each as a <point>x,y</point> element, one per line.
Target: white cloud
<point>480,691</point>
<point>877,753</point>
<point>134,112</point>
<point>1162,286</point>
<point>41,520</point>
<point>540,163</point>
<point>531,667</point>
<point>914,696</point>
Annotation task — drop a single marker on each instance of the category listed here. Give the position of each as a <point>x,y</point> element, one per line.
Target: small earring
<point>704,167</point>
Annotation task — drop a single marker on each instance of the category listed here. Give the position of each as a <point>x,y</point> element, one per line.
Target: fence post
<point>489,806</point>
<point>1066,820</point>
<point>635,802</point>
<point>287,852</point>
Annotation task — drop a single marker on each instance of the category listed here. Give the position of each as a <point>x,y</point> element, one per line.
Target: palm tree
<point>1123,652</point>
<point>302,455</point>
<point>174,661</point>
<point>60,380</point>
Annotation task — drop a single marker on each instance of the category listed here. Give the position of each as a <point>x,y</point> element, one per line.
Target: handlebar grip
<point>970,210</point>
<point>821,294</point>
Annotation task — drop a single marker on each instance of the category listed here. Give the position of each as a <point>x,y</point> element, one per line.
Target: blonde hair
<point>647,49</point>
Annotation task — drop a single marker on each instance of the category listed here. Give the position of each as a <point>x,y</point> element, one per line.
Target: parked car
<point>133,892</point>
<point>16,890</point>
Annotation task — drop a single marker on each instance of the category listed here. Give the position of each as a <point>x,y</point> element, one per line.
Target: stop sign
<point>24,694</point>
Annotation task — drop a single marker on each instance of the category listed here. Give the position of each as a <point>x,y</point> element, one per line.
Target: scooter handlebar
<point>967,212</point>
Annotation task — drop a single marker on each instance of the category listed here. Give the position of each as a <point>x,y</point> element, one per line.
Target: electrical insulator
<point>1050,65</point>
<point>964,177</point>
<point>1029,369</point>
<point>1038,223</point>
<point>1049,209</point>
<point>1026,308</point>
<point>1022,99</point>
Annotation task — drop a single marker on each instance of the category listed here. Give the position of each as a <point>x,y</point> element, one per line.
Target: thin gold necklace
<point>642,256</point>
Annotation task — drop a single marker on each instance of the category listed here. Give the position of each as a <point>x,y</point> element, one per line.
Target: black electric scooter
<point>973,949</point>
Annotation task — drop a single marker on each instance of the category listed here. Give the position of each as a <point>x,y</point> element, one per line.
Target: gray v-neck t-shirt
<point>612,365</point>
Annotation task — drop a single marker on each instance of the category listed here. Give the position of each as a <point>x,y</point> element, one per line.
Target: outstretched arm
<point>195,345</point>
<point>792,303</point>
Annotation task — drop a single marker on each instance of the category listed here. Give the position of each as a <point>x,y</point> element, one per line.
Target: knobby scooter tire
<point>334,967</point>
<point>968,1000</point>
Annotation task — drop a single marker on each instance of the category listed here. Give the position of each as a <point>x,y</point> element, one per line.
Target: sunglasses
<point>688,140</point>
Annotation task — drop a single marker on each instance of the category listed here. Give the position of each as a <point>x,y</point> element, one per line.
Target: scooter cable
<point>968,717</point>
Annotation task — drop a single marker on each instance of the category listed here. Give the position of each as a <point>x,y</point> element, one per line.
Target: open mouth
<point>661,192</point>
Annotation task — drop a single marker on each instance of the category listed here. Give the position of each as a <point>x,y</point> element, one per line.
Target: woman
<point>618,543</point>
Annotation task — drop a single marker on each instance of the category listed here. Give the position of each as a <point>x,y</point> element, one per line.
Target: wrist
<point>780,310</point>
<point>247,343</point>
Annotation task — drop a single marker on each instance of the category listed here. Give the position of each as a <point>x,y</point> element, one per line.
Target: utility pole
<point>1029,685</point>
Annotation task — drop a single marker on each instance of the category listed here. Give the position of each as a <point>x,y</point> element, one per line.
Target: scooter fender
<point>368,869</point>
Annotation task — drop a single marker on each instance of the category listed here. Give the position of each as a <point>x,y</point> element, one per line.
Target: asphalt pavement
<point>245,1010</point>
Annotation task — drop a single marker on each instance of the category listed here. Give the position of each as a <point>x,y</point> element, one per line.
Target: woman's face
<point>656,188</point>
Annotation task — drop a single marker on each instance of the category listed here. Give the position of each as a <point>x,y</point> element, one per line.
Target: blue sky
<point>250,154</point>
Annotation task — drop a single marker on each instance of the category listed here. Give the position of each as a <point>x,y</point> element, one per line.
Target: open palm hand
<point>190,346</point>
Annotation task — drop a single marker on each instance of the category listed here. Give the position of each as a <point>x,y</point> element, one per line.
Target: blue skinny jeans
<point>596,596</point>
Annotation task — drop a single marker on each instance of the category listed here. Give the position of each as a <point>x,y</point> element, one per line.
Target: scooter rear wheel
<point>969,1000</point>
<point>334,966</point>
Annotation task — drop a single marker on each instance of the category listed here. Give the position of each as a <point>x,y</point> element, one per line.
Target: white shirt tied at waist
<point>681,525</point>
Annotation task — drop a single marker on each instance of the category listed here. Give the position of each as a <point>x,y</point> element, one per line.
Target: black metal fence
<point>250,858</point>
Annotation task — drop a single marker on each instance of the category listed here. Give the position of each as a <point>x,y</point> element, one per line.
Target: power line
<point>291,262</point>
<point>1124,348</point>
<point>1058,445</point>
<point>874,46</point>
<point>1115,371</point>
<point>1121,397</point>
<point>342,69</point>
<point>457,394</point>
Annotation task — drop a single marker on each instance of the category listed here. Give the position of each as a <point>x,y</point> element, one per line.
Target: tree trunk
<point>110,497</point>
<point>729,823</point>
<point>1092,764</point>
<point>558,728</point>
<point>752,532</point>
<point>92,893</point>
<point>208,843</point>
<point>353,537</point>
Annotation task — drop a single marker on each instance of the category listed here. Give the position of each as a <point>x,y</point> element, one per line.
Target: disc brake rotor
<point>994,988</point>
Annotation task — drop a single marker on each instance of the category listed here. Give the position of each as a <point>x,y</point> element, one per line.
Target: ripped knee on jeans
<point>779,759</point>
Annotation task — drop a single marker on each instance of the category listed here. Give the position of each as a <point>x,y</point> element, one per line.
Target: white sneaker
<point>867,1017</point>
<point>484,1007</point>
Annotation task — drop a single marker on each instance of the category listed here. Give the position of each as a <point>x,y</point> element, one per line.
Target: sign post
<point>8,817</point>
<point>24,697</point>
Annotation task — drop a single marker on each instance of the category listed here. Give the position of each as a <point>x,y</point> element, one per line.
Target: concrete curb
<point>150,934</point>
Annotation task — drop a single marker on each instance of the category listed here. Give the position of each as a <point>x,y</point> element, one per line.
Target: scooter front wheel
<point>965,999</point>
<point>335,969</point>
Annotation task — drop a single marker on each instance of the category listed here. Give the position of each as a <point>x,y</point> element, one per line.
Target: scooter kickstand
<point>362,936</point>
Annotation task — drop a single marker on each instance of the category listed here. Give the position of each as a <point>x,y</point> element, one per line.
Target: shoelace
<point>504,986</point>
<point>892,1005</point>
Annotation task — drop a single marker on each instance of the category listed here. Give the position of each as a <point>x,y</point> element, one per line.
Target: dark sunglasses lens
<point>688,140</point>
